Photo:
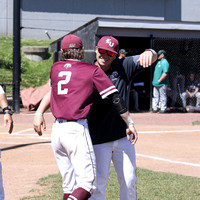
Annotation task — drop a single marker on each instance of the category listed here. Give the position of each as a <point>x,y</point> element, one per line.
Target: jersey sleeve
<point>165,67</point>
<point>103,84</point>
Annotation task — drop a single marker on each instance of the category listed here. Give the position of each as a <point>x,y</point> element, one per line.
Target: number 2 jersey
<point>73,84</point>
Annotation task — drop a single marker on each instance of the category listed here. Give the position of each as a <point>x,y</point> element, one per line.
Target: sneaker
<point>162,111</point>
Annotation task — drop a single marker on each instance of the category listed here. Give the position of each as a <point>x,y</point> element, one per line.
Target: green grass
<point>196,123</point>
<point>50,188</point>
<point>33,74</point>
<point>150,186</point>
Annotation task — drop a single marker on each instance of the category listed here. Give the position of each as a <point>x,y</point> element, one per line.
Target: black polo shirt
<point>105,123</point>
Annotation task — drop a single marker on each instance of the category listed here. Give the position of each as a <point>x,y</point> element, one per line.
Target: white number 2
<point>63,82</point>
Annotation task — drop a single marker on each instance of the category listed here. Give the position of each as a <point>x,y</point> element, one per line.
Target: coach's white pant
<point>122,153</point>
<point>74,155</point>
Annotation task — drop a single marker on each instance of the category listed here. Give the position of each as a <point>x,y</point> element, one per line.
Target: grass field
<point>150,186</point>
<point>33,74</point>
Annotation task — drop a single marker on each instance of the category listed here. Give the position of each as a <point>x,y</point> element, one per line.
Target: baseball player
<point>8,121</point>
<point>73,85</point>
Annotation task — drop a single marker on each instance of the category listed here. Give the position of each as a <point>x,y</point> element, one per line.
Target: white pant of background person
<point>122,154</point>
<point>185,95</point>
<point>74,155</point>
<point>160,95</point>
<point>1,182</point>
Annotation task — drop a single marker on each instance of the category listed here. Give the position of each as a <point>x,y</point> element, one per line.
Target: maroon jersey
<point>73,84</point>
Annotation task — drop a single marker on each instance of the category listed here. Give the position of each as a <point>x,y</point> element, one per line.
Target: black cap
<point>123,51</point>
<point>192,73</point>
<point>161,52</point>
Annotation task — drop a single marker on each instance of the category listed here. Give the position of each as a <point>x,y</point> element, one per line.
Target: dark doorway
<point>142,81</point>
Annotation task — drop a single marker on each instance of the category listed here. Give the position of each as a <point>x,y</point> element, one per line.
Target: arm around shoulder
<point>155,56</point>
<point>147,58</point>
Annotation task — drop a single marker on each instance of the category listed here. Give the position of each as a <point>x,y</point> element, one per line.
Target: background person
<point>160,82</point>
<point>8,121</point>
<point>122,53</point>
<point>192,91</point>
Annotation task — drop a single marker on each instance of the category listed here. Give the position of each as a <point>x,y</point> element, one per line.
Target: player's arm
<point>8,121</point>
<point>147,58</point>
<point>162,78</point>
<point>125,115</point>
<point>196,90</point>
<point>39,122</point>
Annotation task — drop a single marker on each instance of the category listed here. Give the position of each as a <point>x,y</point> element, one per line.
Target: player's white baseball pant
<point>122,153</point>
<point>74,155</point>
<point>1,184</point>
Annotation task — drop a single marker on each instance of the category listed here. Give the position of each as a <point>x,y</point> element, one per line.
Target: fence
<point>183,56</point>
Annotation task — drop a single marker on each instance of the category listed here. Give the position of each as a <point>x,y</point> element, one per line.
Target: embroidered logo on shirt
<point>67,65</point>
<point>114,76</point>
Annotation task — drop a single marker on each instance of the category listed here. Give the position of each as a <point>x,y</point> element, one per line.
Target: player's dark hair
<point>73,54</point>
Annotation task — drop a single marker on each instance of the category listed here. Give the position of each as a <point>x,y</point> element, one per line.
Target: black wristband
<point>7,108</point>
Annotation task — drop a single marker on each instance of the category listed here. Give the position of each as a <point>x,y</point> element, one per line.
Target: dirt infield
<point>167,142</point>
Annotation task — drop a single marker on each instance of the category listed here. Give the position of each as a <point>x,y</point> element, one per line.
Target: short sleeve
<point>103,84</point>
<point>165,67</point>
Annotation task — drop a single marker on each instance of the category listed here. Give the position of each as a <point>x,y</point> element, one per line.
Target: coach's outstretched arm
<point>39,123</point>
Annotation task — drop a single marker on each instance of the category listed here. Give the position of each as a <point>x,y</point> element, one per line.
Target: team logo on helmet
<point>72,45</point>
<point>108,41</point>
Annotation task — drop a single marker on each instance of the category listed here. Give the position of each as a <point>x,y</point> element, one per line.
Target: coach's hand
<point>147,58</point>
<point>131,131</point>
<point>39,124</point>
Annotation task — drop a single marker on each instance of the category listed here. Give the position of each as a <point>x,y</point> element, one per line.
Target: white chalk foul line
<point>170,161</point>
<point>22,131</point>
<point>175,131</point>
<point>19,143</point>
<point>47,113</point>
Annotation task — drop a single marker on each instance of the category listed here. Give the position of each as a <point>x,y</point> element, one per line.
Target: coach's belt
<point>64,120</point>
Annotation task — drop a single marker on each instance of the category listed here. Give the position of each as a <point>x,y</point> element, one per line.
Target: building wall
<point>63,16</point>
<point>6,17</point>
<point>190,10</point>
